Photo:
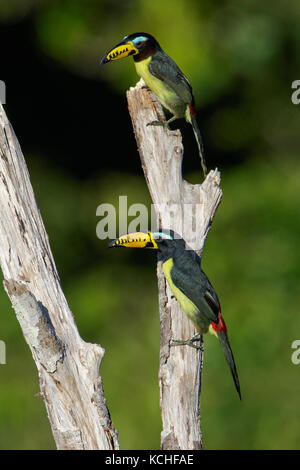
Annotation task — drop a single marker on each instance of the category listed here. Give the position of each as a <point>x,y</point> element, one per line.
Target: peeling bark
<point>68,367</point>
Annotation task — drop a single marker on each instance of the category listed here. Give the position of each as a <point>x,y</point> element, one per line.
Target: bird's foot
<point>159,123</point>
<point>188,342</point>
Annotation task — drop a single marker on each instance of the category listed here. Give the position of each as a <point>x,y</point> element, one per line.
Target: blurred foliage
<point>241,59</point>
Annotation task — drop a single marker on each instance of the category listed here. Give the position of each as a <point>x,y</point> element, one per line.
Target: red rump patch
<point>192,109</point>
<point>221,326</point>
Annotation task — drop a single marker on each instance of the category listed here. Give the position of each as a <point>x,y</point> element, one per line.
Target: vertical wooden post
<point>68,367</point>
<point>189,210</point>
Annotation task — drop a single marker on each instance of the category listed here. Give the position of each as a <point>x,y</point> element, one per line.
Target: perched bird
<point>163,77</point>
<point>189,284</point>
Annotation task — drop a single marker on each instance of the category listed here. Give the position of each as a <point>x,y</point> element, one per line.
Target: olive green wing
<point>164,68</point>
<point>195,296</point>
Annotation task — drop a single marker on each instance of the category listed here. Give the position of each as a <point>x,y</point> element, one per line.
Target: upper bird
<point>189,284</point>
<point>163,77</point>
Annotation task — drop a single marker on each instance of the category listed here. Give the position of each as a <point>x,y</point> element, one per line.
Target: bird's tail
<point>223,338</point>
<point>191,118</point>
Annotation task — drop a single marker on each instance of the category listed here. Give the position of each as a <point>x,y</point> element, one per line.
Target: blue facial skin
<point>161,236</point>
<point>137,41</point>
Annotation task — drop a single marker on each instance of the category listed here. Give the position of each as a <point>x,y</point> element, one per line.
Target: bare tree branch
<point>189,210</point>
<point>68,367</point>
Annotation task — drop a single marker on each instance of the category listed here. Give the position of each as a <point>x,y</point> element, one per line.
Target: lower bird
<point>189,284</point>
<point>163,77</point>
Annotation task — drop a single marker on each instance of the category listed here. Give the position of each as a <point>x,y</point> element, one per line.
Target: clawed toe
<point>188,342</point>
<point>156,123</point>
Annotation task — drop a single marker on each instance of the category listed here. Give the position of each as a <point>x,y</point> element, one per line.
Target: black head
<point>143,42</point>
<point>168,243</point>
<point>139,45</point>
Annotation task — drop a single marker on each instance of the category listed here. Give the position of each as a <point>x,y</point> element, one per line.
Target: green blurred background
<point>72,122</point>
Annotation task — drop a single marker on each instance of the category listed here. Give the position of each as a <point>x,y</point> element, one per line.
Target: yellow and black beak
<point>135,240</point>
<point>121,50</point>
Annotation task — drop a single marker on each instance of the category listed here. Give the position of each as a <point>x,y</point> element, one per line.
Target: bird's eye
<point>139,43</point>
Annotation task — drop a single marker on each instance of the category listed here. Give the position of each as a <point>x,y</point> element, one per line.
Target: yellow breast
<point>186,304</point>
<point>164,93</point>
